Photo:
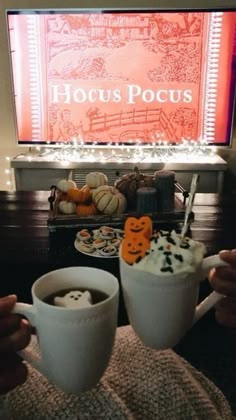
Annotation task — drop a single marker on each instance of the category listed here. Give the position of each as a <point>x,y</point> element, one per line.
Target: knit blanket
<point>139,384</point>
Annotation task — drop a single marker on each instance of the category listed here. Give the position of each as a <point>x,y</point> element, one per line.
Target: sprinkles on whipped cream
<point>161,252</point>
<point>169,256</point>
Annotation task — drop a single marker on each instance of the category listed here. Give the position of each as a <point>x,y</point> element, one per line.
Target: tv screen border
<point>104,10</point>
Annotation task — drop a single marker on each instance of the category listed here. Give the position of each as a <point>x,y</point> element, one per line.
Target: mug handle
<point>28,354</point>
<point>203,307</point>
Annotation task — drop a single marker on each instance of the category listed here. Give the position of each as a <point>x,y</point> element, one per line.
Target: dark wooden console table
<point>27,250</point>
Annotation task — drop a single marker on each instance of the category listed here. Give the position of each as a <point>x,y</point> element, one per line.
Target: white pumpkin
<point>64,184</point>
<point>96,179</point>
<point>67,207</point>
<point>109,200</point>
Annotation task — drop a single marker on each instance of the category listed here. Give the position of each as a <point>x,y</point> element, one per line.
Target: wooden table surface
<point>27,250</point>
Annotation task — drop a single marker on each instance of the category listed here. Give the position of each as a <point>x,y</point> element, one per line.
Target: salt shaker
<point>165,190</point>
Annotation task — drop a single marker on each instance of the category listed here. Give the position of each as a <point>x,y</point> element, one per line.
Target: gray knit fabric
<point>139,384</point>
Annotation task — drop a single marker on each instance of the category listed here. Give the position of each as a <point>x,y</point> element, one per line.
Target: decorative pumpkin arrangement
<point>74,200</point>
<point>99,197</point>
<point>109,200</point>
<point>128,185</point>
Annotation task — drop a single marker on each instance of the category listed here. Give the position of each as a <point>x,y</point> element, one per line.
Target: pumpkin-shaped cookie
<point>96,179</point>
<point>109,200</point>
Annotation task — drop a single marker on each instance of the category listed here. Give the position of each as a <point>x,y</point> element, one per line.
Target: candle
<point>165,190</point>
<point>146,200</point>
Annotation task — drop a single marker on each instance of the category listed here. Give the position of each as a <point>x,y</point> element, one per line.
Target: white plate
<point>94,253</point>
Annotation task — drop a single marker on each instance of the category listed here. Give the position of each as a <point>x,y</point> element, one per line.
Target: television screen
<point>122,76</point>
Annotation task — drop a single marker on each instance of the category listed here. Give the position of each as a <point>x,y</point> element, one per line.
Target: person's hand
<point>14,336</point>
<point>223,280</point>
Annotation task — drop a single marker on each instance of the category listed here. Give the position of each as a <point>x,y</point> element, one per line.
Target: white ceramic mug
<point>161,309</point>
<point>75,344</point>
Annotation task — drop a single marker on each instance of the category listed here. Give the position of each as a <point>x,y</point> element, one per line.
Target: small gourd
<point>67,207</point>
<point>85,194</point>
<point>83,210</point>
<point>80,195</point>
<point>73,194</point>
<point>96,179</point>
<point>64,184</point>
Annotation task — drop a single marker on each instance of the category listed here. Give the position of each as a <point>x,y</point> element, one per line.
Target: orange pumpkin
<point>79,195</point>
<point>142,226</point>
<point>73,194</point>
<point>83,209</point>
<point>85,194</point>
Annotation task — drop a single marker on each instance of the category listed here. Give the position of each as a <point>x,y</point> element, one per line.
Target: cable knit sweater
<point>139,384</point>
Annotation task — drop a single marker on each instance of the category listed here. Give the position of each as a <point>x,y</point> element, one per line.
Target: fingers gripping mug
<point>161,309</point>
<point>75,344</point>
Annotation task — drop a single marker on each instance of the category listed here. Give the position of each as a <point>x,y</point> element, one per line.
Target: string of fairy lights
<point>160,151</point>
<point>188,150</point>
<point>8,174</point>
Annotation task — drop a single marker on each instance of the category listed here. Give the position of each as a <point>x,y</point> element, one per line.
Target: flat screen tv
<point>122,76</point>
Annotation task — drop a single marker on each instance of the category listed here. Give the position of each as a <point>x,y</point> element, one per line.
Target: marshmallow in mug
<point>74,299</point>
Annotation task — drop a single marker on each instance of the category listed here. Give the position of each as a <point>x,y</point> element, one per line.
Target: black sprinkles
<point>178,257</point>
<point>167,269</point>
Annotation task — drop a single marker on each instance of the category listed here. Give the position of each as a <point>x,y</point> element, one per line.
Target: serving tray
<point>57,220</point>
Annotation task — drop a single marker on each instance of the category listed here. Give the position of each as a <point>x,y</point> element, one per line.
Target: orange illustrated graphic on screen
<point>119,77</point>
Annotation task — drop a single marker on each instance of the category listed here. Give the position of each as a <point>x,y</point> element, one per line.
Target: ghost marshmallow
<point>74,300</point>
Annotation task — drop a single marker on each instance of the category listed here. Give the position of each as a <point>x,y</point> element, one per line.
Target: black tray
<point>61,221</point>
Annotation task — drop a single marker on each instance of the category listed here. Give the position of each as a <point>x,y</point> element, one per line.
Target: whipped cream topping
<point>169,253</point>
